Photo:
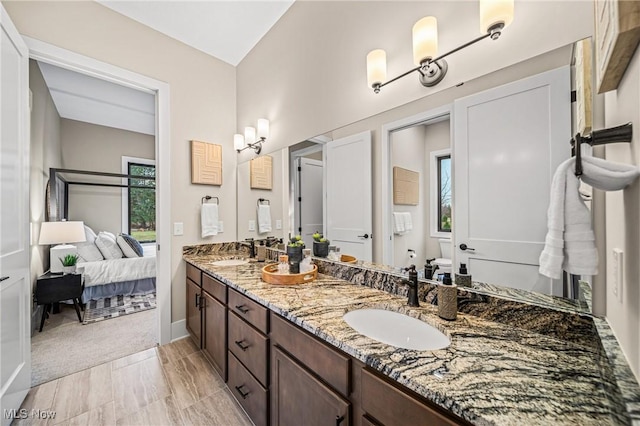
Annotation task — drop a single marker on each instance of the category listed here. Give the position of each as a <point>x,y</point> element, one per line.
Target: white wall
<point>202,102</point>
<point>45,153</point>
<point>623,218</point>
<point>97,148</point>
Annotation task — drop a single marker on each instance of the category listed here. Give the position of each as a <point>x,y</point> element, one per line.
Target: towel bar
<point>262,200</point>
<point>209,197</point>
<point>617,134</point>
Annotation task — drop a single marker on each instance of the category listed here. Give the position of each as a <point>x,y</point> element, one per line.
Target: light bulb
<point>425,39</point>
<point>376,67</point>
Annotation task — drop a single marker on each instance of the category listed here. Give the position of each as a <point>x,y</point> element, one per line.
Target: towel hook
<point>262,200</point>
<point>209,197</point>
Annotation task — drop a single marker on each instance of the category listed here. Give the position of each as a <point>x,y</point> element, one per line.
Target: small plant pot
<point>320,249</point>
<point>295,254</point>
<point>69,270</point>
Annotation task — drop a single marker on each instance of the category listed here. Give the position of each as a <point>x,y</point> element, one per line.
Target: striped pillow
<point>129,246</point>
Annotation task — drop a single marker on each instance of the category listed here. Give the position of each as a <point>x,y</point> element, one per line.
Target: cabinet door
<point>298,398</point>
<point>214,333</point>
<point>194,320</point>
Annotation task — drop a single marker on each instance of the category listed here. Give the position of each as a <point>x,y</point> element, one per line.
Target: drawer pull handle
<point>242,308</point>
<point>339,420</point>
<point>243,394</point>
<point>4,278</point>
<point>197,300</point>
<point>242,345</point>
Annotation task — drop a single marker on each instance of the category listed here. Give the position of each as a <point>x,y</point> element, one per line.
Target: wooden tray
<point>347,258</point>
<point>270,275</point>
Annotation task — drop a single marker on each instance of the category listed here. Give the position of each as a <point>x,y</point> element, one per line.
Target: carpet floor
<point>66,346</point>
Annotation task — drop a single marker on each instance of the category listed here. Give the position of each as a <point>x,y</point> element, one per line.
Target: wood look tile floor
<point>166,385</point>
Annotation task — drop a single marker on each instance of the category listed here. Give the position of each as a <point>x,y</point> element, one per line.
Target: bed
<point>126,276</point>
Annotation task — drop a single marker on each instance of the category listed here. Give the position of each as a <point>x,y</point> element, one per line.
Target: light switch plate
<point>618,273</point>
<point>178,228</point>
<point>220,226</point>
<point>278,224</point>
<point>252,225</point>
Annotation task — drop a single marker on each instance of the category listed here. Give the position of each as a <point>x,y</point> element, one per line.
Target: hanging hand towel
<point>264,218</point>
<point>398,223</point>
<point>570,241</point>
<point>408,223</point>
<point>209,219</point>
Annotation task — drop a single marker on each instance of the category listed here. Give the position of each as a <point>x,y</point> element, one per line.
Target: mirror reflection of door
<point>306,171</point>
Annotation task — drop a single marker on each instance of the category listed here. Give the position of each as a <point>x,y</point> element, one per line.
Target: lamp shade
<point>249,134</point>
<point>263,128</point>
<point>238,142</point>
<point>62,232</point>
<point>425,39</point>
<point>376,67</point>
<point>494,12</point>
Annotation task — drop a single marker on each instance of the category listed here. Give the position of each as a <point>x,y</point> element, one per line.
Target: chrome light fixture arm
<point>257,146</point>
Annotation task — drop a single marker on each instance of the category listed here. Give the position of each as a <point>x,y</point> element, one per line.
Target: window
<point>440,189</point>
<point>139,200</point>
<point>444,193</point>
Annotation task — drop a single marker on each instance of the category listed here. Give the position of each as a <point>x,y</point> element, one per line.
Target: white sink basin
<point>396,329</point>
<point>230,262</point>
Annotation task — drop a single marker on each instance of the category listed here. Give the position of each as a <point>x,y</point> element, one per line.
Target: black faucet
<point>412,282</point>
<point>251,243</point>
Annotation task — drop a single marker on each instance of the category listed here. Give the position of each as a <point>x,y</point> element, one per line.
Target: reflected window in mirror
<point>441,222</point>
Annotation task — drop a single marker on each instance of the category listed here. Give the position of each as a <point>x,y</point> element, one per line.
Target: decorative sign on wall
<point>406,187</point>
<point>262,172</point>
<point>617,33</point>
<point>583,86</point>
<point>206,163</point>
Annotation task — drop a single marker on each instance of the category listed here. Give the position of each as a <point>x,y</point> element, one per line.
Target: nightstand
<point>53,288</point>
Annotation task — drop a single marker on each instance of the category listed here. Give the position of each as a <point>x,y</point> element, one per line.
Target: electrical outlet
<point>252,225</point>
<point>618,273</point>
<point>278,224</point>
<point>220,226</point>
<point>178,228</point>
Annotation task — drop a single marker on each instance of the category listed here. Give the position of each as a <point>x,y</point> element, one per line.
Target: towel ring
<point>262,200</point>
<point>617,134</point>
<point>209,197</point>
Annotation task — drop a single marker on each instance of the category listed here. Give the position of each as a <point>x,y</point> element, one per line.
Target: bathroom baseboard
<point>179,330</point>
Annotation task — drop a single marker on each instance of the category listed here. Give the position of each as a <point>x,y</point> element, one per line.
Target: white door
<point>15,288</point>
<point>347,171</point>
<point>508,142</point>
<point>309,199</point>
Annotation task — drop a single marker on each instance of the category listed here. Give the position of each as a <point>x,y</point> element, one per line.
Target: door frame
<point>48,53</point>
<point>423,118</point>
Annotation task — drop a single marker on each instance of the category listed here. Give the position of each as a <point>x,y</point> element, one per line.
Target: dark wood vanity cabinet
<point>194,293</point>
<point>214,328</point>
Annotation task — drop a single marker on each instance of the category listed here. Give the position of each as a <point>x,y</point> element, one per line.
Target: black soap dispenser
<point>463,278</point>
<point>447,298</point>
<point>429,269</point>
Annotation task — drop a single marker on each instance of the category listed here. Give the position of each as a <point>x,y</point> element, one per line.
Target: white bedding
<point>117,270</point>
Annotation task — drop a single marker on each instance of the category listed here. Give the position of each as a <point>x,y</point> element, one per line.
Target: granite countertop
<point>491,374</point>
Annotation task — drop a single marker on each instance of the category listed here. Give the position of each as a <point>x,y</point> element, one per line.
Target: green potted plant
<point>69,263</point>
<point>294,249</point>
<point>320,245</point>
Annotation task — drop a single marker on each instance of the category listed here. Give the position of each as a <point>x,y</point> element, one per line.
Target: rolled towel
<point>209,219</point>
<point>264,218</point>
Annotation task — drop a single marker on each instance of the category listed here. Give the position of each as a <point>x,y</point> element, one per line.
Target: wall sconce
<point>240,142</point>
<point>495,15</point>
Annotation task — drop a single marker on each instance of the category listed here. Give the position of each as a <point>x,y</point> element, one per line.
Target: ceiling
<point>227,30</point>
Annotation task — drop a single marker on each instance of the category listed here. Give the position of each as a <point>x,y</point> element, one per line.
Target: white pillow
<point>89,252</point>
<point>90,235</point>
<point>108,246</point>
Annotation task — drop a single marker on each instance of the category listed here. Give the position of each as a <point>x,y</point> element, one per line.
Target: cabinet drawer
<point>215,288</point>
<point>249,393</point>
<point>249,346</point>
<point>332,366</point>
<point>194,274</point>
<point>247,309</point>
<point>393,407</point>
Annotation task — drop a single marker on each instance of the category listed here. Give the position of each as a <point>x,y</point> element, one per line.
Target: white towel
<point>398,223</point>
<point>408,223</point>
<point>264,218</point>
<point>570,241</point>
<point>209,219</point>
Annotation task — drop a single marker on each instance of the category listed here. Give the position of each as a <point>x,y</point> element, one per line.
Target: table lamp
<point>61,233</point>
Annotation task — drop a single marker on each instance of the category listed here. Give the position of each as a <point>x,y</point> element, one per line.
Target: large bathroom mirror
<point>413,170</point>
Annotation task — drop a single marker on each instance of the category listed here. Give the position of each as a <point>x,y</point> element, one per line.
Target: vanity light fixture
<point>495,15</point>
<point>240,142</point>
